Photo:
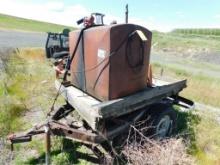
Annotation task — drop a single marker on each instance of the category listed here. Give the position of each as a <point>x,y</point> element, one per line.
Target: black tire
<point>163,122</point>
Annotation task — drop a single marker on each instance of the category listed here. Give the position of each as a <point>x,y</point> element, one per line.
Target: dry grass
<point>200,88</point>
<point>32,54</point>
<point>203,90</point>
<point>140,149</point>
<point>207,136</point>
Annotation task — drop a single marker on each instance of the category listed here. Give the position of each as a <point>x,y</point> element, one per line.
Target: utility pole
<point>126,14</point>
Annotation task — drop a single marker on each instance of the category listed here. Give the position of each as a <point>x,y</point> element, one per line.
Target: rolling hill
<point>16,23</point>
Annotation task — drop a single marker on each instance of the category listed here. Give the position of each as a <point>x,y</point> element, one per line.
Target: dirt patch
<point>6,155</point>
<point>34,116</point>
<point>213,58</point>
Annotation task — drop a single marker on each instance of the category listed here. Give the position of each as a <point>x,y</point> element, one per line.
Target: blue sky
<point>160,15</point>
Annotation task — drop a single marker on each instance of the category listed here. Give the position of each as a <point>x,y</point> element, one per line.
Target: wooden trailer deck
<point>93,110</point>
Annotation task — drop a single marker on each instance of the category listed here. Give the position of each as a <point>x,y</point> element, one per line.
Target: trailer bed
<point>94,111</point>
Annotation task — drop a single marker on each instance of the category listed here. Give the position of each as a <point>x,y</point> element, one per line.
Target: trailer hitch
<point>25,137</point>
<point>57,129</point>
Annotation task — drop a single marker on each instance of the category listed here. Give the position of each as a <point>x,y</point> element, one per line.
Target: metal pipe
<point>126,14</point>
<point>47,144</point>
<point>12,146</point>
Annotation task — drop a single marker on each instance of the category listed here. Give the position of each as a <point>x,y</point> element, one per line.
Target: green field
<point>15,23</point>
<point>181,43</point>
<point>198,31</point>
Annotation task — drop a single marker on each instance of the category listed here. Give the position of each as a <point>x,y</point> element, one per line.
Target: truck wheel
<point>163,123</point>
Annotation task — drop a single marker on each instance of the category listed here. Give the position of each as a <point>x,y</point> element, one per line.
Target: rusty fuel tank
<point>111,61</point>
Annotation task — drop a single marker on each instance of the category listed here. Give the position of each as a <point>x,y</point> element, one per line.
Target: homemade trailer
<point>99,116</point>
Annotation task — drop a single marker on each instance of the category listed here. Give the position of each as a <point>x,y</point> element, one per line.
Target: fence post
<point>47,144</point>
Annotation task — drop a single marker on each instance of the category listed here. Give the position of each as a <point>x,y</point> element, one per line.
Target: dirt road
<point>18,39</point>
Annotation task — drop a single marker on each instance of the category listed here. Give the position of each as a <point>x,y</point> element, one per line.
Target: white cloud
<point>217,16</point>
<point>54,12</point>
<point>55,6</point>
<point>180,14</point>
<point>109,18</point>
<point>151,23</point>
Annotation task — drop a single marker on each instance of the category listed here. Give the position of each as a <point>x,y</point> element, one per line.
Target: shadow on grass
<point>70,150</point>
<point>186,125</point>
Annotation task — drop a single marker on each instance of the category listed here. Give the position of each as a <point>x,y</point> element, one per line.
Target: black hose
<point>73,54</point>
<point>67,68</point>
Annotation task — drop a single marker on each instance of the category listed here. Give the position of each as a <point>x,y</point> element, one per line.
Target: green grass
<point>21,88</point>
<point>12,106</point>
<point>207,137</point>
<point>65,151</point>
<point>10,22</point>
<point>201,131</point>
<point>180,43</point>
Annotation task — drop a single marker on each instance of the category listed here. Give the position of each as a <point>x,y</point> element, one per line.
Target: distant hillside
<point>16,23</point>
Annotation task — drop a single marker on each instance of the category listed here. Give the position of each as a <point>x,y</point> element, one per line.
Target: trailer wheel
<point>163,123</point>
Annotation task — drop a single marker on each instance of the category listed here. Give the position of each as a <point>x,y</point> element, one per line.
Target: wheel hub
<point>164,126</point>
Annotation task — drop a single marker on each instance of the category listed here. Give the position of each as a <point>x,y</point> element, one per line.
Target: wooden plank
<point>81,102</point>
<point>139,100</point>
